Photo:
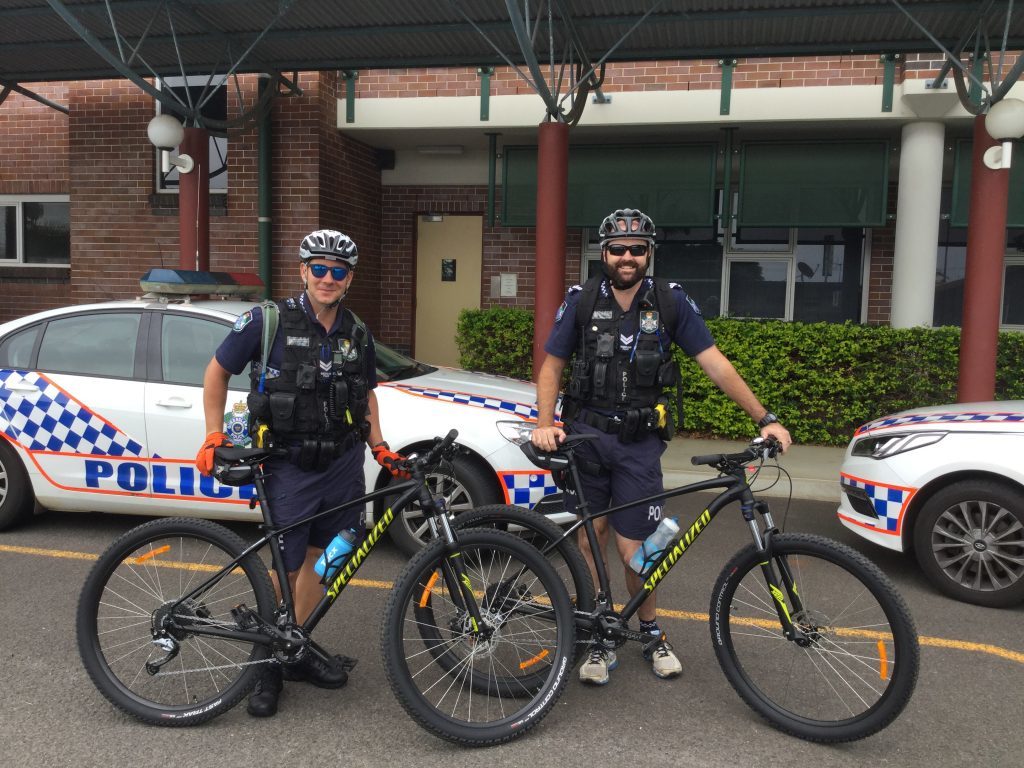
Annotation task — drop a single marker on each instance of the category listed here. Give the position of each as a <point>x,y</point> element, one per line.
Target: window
<point>213,95</point>
<point>186,346</point>
<point>16,350</point>
<point>91,345</point>
<point>35,230</point>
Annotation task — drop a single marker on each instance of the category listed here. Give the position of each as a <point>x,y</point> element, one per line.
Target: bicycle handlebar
<point>435,454</point>
<point>759,448</point>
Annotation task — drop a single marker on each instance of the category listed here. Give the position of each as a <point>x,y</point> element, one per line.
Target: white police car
<point>946,482</point>
<point>101,410</point>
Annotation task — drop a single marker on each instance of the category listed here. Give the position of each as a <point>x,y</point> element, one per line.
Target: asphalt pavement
<point>814,469</point>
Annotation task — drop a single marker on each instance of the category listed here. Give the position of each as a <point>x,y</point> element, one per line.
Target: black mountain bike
<point>811,634</point>
<point>177,616</point>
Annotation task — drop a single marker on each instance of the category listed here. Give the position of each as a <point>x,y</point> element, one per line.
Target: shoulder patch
<point>560,312</point>
<point>243,320</point>
<point>693,305</point>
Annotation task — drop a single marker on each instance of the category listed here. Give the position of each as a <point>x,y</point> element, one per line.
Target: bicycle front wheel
<point>855,666</point>
<point>137,637</point>
<point>471,684</point>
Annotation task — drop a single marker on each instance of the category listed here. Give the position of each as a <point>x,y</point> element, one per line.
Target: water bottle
<point>657,541</point>
<point>336,554</point>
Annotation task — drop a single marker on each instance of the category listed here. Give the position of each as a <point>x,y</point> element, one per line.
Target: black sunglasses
<point>320,270</point>
<point>637,249</point>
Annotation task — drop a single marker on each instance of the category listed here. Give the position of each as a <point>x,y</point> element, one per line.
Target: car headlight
<point>517,432</point>
<point>884,446</point>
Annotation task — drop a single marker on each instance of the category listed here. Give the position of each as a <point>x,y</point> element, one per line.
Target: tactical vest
<point>623,359</point>
<point>301,405</point>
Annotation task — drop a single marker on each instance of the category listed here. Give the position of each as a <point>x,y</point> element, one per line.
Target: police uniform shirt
<point>244,344</point>
<point>690,334</point>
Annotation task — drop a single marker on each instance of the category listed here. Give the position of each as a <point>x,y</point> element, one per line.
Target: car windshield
<point>394,366</point>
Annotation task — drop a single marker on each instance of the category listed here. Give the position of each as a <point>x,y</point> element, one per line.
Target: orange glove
<point>204,459</point>
<point>391,461</point>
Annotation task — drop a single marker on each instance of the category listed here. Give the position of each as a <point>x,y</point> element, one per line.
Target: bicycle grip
<point>708,458</point>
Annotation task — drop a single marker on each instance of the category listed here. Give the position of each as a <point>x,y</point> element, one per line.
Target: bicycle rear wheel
<point>127,619</point>
<point>466,687</point>
<point>858,666</point>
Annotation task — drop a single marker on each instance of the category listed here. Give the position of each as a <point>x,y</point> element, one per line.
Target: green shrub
<point>822,379</point>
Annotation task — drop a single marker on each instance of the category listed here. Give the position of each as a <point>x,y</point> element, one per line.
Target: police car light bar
<point>185,282</point>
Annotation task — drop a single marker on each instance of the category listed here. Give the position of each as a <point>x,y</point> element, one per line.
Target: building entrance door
<point>449,254</point>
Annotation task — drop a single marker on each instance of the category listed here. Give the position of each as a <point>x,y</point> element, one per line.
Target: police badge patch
<point>236,425</point>
<point>649,321</point>
<point>243,320</point>
<point>347,351</point>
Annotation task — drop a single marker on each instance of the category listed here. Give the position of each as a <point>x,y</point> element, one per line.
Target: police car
<point>101,409</point>
<point>946,482</point>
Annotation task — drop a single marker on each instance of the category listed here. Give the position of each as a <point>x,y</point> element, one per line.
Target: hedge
<point>822,379</point>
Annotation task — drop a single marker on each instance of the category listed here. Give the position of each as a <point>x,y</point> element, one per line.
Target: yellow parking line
<point>925,640</point>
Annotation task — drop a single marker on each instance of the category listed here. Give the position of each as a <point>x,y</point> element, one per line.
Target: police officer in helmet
<point>312,396</point>
<point>617,330</point>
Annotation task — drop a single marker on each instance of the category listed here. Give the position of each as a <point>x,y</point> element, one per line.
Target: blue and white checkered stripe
<point>462,398</point>
<point>943,418</point>
<point>887,501</point>
<point>527,489</point>
<point>54,421</point>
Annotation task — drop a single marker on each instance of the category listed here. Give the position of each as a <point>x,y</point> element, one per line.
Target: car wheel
<point>969,540</point>
<point>16,500</point>
<point>468,487</point>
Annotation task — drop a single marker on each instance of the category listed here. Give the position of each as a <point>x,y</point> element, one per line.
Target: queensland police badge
<point>649,321</point>
<point>236,425</point>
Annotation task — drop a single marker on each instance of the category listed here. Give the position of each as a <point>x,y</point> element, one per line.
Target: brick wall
<point>33,161</point>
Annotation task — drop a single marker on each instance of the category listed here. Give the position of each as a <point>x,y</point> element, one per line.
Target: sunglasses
<point>637,249</point>
<point>320,270</point>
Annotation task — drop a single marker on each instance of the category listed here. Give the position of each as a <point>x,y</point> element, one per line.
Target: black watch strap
<point>768,418</point>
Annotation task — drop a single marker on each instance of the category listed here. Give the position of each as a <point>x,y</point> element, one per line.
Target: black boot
<point>313,670</point>
<point>263,699</point>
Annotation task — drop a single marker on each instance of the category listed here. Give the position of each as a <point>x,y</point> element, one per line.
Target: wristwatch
<point>768,418</point>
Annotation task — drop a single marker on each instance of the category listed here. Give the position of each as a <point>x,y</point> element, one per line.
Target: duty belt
<point>316,454</point>
<point>632,425</point>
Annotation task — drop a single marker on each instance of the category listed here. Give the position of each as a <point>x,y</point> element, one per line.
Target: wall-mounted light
<point>440,149</point>
<point>165,133</point>
<point>1004,122</point>
<point>433,217</point>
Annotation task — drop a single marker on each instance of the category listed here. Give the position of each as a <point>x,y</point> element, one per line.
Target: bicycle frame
<point>736,488</point>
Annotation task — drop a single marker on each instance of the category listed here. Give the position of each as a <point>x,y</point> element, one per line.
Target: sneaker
<point>664,662</point>
<point>315,671</point>
<point>600,661</point>
<point>263,699</point>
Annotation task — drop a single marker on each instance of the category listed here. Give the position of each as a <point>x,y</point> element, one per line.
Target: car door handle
<point>174,402</point>
<point>23,387</point>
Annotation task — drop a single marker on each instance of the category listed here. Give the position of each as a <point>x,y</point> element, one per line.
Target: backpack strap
<point>271,317</point>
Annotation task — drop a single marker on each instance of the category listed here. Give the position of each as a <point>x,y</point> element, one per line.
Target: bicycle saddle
<point>558,458</point>
<point>236,466</point>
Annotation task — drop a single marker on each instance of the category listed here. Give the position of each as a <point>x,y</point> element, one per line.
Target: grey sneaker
<point>664,662</point>
<point>600,661</point>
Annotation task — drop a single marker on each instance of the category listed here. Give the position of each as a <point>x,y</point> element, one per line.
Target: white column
<point>917,225</point>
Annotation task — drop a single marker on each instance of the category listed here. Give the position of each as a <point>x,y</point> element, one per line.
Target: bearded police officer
<point>312,396</point>
<point>618,330</point>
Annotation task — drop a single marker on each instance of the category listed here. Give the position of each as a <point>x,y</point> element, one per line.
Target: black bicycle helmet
<point>329,244</point>
<point>627,222</point>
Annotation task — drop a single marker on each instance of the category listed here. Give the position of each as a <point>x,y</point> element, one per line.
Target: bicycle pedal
<point>244,618</point>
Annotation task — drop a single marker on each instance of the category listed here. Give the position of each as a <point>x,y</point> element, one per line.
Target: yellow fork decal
<point>777,594</point>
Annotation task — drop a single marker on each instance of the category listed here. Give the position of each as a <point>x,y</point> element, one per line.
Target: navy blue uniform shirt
<point>691,334</point>
<point>244,344</point>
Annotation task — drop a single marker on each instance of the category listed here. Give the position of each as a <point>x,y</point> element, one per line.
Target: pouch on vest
<point>668,374</point>
<point>282,411</point>
<point>605,351</point>
<point>259,406</point>
<point>648,362</point>
<point>339,399</point>
<point>579,380</point>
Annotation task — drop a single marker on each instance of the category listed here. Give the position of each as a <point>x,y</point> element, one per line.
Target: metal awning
<point>550,41</point>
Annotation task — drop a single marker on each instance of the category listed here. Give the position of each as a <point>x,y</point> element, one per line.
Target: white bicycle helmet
<point>329,244</point>
<point>627,222</point>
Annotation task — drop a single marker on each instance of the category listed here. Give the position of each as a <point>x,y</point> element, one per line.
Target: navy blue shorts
<point>633,471</point>
<point>295,494</point>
